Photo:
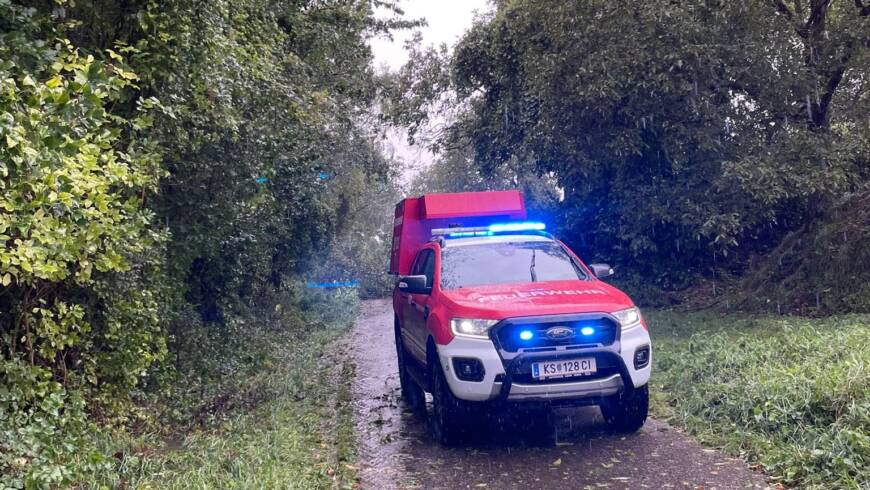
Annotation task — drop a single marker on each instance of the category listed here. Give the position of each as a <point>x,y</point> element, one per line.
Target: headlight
<point>628,318</point>
<point>467,327</point>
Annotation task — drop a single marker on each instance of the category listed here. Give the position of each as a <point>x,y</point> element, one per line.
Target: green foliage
<point>266,409</point>
<point>822,268</point>
<point>170,171</point>
<point>686,136</point>
<point>240,364</point>
<point>40,427</point>
<point>361,250</point>
<point>256,192</point>
<point>789,393</point>
<point>78,317</point>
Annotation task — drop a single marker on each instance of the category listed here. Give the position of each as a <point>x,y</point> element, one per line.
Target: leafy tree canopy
<point>679,132</point>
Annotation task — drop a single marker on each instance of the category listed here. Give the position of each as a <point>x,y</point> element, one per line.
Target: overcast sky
<point>446,21</point>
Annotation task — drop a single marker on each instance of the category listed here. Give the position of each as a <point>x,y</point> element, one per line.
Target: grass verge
<point>789,394</point>
<point>299,433</point>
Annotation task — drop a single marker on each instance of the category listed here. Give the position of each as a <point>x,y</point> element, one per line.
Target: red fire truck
<point>491,310</point>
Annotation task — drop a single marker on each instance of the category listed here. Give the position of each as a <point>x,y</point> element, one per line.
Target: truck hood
<point>537,298</point>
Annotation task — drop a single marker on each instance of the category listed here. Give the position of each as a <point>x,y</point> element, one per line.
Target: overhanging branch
<point>782,8</point>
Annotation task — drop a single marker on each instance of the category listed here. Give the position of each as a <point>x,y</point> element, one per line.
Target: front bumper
<point>503,380</point>
<point>594,388</point>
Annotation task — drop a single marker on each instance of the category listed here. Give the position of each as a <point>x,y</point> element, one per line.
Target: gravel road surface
<point>570,451</point>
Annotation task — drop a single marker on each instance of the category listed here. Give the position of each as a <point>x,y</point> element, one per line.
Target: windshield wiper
<point>532,268</point>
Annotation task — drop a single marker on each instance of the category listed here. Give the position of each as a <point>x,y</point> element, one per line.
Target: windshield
<point>506,263</point>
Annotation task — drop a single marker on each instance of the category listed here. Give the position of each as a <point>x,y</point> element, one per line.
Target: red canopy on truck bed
<point>416,217</point>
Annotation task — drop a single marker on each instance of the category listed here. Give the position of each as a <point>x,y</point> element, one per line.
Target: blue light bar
<point>521,226</point>
<point>490,230</point>
<point>587,330</point>
<point>526,335</point>
<point>466,234</point>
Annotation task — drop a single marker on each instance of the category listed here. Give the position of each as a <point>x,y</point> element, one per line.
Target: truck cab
<point>499,314</point>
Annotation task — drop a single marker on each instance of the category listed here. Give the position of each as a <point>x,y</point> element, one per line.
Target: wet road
<point>571,451</point>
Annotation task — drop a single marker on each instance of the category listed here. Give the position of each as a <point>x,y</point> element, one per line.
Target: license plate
<point>560,369</point>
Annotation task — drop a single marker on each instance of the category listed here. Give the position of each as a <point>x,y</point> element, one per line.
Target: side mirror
<point>601,271</point>
<point>413,285</point>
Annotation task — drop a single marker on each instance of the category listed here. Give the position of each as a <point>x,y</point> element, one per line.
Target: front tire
<point>412,394</point>
<point>449,420</point>
<point>627,412</point>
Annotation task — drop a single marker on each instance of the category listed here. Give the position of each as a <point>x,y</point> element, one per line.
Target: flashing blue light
<point>328,285</point>
<point>526,335</point>
<point>587,330</point>
<point>521,226</point>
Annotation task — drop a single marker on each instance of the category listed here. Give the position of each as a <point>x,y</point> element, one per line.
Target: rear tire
<point>449,415</point>
<point>412,394</point>
<point>627,412</point>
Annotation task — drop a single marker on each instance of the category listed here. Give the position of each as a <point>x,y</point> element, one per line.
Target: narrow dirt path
<point>573,451</point>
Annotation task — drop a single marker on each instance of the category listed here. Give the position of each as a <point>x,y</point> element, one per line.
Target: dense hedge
<point>170,171</point>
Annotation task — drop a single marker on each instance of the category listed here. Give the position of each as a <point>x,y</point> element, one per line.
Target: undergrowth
<point>297,438</point>
<point>262,406</point>
<point>789,394</point>
<point>260,401</point>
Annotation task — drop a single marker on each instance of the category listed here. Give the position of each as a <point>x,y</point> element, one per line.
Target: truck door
<point>415,309</point>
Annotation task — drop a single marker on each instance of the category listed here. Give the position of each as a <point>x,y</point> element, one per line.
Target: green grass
<point>301,436</point>
<point>789,394</point>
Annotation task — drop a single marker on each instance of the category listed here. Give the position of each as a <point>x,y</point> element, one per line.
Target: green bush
<point>792,394</point>
<point>40,427</point>
<point>168,172</point>
<point>254,402</point>
<point>78,294</point>
<point>237,365</point>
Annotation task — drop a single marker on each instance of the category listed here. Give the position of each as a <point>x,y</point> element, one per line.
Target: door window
<point>424,265</point>
<point>429,268</point>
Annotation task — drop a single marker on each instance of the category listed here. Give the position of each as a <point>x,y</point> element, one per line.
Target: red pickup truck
<point>491,310</point>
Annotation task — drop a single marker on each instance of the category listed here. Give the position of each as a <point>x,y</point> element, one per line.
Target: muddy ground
<point>572,451</point>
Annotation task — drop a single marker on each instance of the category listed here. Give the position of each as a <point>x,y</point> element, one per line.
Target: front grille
<point>554,333</point>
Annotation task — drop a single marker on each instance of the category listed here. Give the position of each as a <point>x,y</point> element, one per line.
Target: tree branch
<point>782,8</point>
<point>830,88</point>
<point>818,12</point>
